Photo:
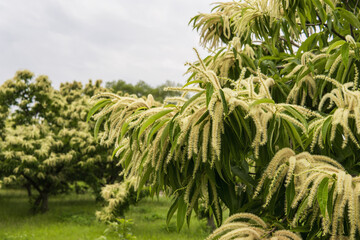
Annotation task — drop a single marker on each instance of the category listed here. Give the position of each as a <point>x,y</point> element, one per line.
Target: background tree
<point>273,128</point>
<point>48,146</point>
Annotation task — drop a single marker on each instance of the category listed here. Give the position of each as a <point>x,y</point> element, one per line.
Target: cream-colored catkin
<point>349,191</point>
<point>335,65</point>
<point>188,190</point>
<point>336,216</point>
<point>290,172</point>
<point>277,179</point>
<point>304,190</point>
<point>216,129</point>
<point>205,142</point>
<point>356,78</point>
<point>314,189</point>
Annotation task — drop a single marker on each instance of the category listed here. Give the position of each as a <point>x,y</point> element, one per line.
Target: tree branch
<point>351,27</point>
<point>332,29</point>
<point>291,41</point>
<point>32,182</point>
<point>357,2</point>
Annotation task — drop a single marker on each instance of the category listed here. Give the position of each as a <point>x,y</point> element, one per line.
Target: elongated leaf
<point>155,129</point>
<point>345,53</point>
<point>330,201</point>
<point>192,82</point>
<point>187,103</point>
<point>349,17</point>
<point>297,115</point>
<point>321,10</point>
<point>295,134</point>
<point>322,195</point>
<point>123,130</point>
<point>96,107</point>
<point>181,211</point>
<point>263,100</point>
<point>171,211</point>
<point>97,126</point>
<point>223,100</point>
<point>203,117</point>
<point>335,45</point>
<point>152,119</point>
<point>209,92</point>
<point>302,207</point>
<point>325,128</point>
<point>116,150</point>
<point>329,2</point>
<point>304,46</point>
<point>244,177</point>
<point>290,194</point>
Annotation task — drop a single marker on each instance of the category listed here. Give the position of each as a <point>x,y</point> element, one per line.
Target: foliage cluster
<point>272,128</point>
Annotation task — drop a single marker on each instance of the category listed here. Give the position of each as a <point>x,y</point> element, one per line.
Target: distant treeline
<point>141,88</point>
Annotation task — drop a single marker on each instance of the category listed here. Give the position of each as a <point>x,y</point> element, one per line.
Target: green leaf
<point>171,211</point>
<point>304,46</point>
<point>123,130</point>
<point>330,201</point>
<point>187,103</point>
<point>244,177</point>
<point>155,129</point>
<point>248,61</point>
<point>349,17</point>
<point>301,209</point>
<point>297,115</point>
<point>345,53</point>
<point>290,194</point>
<point>331,60</point>
<point>181,211</point>
<point>209,92</point>
<point>329,2</point>
<point>223,100</point>
<point>335,45</point>
<point>321,10</point>
<point>292,130</point>
<point>322,195</point>
<point>116,150</point>
<point>325,128</point>
<point>192,82</point>
<point>97,126</point>
<point>203,117</point>
<point>152,119</point>
<point>260,101</point>
<point>96,107</point>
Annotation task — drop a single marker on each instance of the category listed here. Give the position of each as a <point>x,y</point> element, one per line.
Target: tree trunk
<point>41,203</point>
<point>44,207</point>
<point>28,189</point>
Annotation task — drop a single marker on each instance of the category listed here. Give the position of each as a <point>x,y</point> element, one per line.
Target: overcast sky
<point>92,39</point>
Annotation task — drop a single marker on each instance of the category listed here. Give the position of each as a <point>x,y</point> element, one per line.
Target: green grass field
<point>72,217</point>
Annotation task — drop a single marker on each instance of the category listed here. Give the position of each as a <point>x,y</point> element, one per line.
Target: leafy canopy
<point>47,144</point>
<point>272,127</point>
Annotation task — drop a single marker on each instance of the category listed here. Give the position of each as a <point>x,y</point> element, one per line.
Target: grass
<point>72,217</point>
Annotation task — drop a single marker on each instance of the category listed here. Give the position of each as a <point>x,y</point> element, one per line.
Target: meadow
<point>72,217</point>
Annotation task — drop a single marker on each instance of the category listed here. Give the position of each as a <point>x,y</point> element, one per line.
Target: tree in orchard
<point>47,145</point>
<point>271,132</point>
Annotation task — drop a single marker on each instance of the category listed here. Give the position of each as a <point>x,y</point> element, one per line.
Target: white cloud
<point>93,39</point>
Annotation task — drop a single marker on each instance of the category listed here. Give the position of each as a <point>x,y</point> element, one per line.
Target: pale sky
<point>91,39</point>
